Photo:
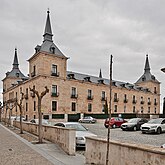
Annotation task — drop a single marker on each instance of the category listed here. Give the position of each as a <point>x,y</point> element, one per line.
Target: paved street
<point>127,136</point>
<point>15,152</point>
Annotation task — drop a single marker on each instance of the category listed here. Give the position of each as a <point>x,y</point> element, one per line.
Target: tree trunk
<point>40,121</point>
<point>21,129</point>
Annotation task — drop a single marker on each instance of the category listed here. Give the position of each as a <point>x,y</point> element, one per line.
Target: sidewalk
<point>17,151</point>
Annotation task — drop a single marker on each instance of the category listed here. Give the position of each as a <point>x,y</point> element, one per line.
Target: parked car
<point>17,118</point>
<point>87,119</point>
<point>114,122</point>
<point>81,132</point>
<point>36,121</point>
<point>154,126</point>
<point>133,124</point>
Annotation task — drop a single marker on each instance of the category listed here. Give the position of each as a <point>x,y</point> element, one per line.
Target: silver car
<point>87,119</point>
<point>154,126</point>
<point>81,132</point>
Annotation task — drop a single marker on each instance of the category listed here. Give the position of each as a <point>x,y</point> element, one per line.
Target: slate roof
<point>48,45</point>
<point>98,80</point>
<point>15,72</point>
<point>147,76</point>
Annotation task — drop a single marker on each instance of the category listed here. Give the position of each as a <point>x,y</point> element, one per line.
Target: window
<point>73,93</point>
<point>73,106</point>
<point>115,108</point>
<point>142,109</point>
<point>134,99</point>
<point>155,110</point>
<point>20,89</point>
<point>26,107</point>
<point>34,105</point>
<point>89,94</point>
<point>54,105</point>
<point>124,108</point>
<point>134,110</point>
<point>26,118</point>
<point>54,90</point>
<point>34,71</point>
<point>141,100</point>
<point>89,107</point>
<point>54,69</point>
<point>149,102</point>
<point>148,109</point>
<point>103,96</point>
<point>125,98</point>
<point>115,97</point>
<point>155,91</point>
<point>155,103</point>
<point>34,116</point>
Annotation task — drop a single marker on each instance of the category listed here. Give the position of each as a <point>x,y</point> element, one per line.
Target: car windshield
<point>134,120</point>
<point>155,121</point>
<point>78,127</point>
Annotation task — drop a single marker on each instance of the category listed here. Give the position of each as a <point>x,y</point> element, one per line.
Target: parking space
<point>127,136</point>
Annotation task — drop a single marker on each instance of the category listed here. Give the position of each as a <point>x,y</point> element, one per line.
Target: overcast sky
<point>88,31</point>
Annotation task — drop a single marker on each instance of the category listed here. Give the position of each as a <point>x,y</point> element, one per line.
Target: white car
<point>81,132</point>
<point>154,126</point>
<point>36,121</point>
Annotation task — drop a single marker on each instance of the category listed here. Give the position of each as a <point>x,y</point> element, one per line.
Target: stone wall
<point>64,137</point>
<point>122,153</point>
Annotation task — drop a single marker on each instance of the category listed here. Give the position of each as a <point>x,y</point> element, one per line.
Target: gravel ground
<point>127,136</point>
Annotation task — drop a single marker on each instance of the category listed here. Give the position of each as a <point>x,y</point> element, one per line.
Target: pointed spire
<point>15,63</point>
<point>147,66</point>
<point>48,31</point>
<point>100,74</point>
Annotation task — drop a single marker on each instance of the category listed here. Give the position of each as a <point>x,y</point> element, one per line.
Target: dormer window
<point>71,76</point>
<point>17,74</point>
<point>87,79</point>
<point>52,49</point>
<point>143,78</point>
<point>101,81</point>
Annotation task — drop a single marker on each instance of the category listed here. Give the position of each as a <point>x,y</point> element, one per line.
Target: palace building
<point>72,94</point>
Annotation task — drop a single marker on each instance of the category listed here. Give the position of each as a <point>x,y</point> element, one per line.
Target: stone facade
<point>74,93</point>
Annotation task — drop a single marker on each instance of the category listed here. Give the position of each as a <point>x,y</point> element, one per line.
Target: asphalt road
<point>127,136</point>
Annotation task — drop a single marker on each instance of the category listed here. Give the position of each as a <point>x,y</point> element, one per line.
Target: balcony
<point>74,96</point>
<point>90,97</point>
<point>134,101</point>
<point>54,94</point>
<point>56,74</point>
<point>116,99</point>
<point>125,100</point>
<point>142,102</point>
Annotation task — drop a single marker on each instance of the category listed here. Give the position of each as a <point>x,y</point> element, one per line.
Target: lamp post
<point>0,111</point>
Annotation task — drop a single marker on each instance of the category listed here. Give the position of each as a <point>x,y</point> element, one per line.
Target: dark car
<point>114,122</point>
<point>133,124</point>
<point>87,119</point>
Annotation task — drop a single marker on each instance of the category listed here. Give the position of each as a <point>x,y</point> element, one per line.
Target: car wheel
<point>159,130</point>
<point>135,128</point>
<point>113,126</point>
<point>143,132</point>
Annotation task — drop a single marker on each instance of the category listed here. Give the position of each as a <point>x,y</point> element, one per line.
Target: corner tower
<point>14,76</point>
<point>48,60</point>
<point>148,80</point>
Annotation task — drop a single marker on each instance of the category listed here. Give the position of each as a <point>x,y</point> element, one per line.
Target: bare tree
<point>21,110</point>
<point>39,96</point>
